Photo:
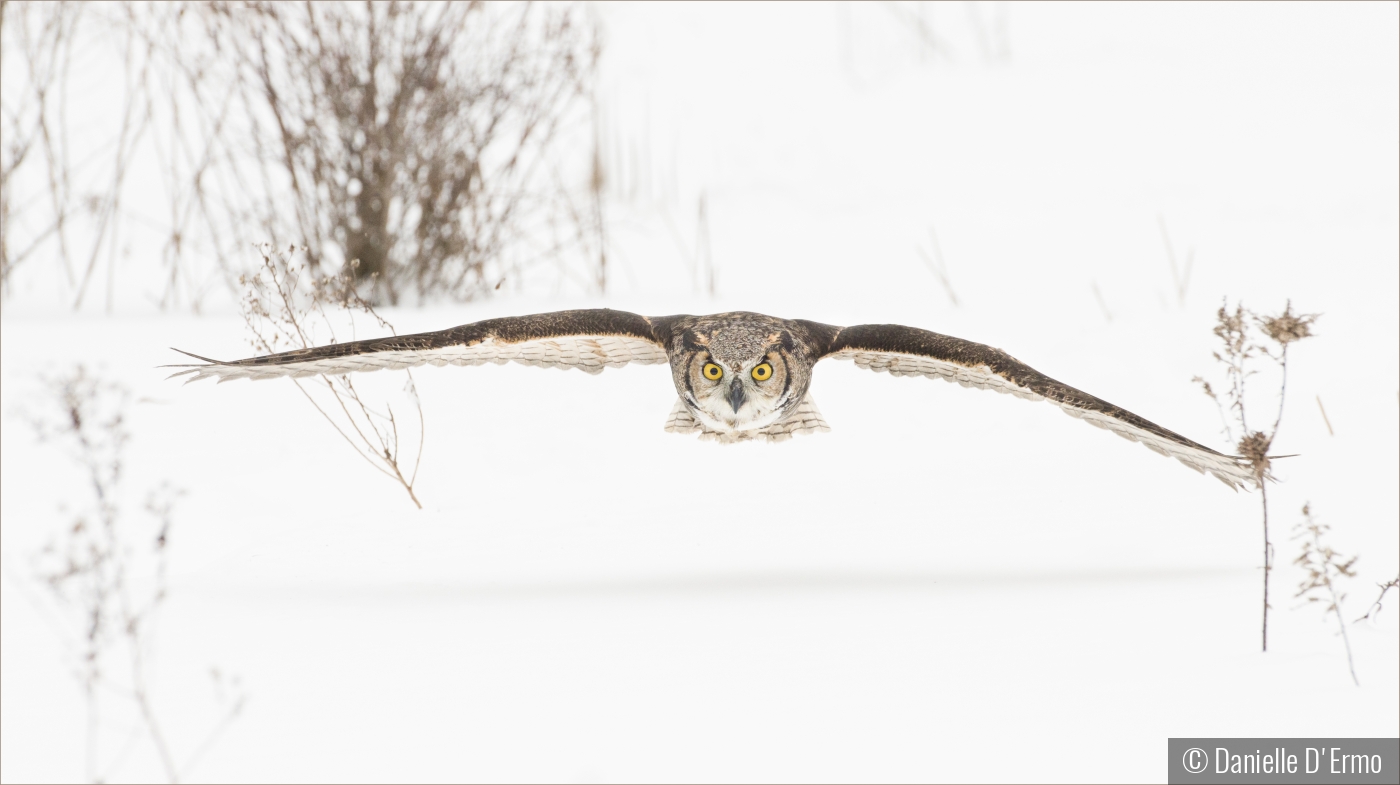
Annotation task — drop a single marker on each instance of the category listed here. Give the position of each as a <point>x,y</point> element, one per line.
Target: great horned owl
<point>739,375</point>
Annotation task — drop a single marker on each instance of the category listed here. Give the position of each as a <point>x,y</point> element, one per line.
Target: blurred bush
<point>422,139</point>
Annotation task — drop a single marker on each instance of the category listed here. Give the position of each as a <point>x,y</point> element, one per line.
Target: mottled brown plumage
<point>736,400</point>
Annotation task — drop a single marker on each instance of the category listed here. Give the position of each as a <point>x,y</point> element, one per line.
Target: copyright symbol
<point>1195,760</point>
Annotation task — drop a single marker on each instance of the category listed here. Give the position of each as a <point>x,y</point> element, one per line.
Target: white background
<point>951,585</point>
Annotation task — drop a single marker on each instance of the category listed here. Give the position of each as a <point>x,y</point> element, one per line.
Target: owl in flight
<point>739,375</point>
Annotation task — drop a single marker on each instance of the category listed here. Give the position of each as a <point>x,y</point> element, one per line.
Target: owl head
<point>739,374</point>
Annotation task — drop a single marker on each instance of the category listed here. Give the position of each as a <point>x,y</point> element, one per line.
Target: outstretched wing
<point>909,351</point>
<point>589,340</point>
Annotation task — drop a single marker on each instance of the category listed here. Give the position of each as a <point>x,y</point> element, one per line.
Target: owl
<point>739,376</point>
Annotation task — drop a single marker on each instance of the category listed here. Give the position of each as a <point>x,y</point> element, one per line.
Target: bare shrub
<point>418,138</point>
<point>80,211</point>
<point>1325,568</point>
<point>1246,338</point>
<point>410,136</point>
<point>287,307</point>
<point>106,573</point>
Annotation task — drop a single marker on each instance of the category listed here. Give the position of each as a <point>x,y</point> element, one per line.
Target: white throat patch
<point>804,419</point>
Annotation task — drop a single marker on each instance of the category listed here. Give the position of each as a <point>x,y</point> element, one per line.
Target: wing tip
<point>196,356</point>
<point>197,372</point>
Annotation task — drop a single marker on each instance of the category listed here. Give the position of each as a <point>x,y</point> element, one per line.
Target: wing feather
<point>589,340</point>
<point>909,351</point>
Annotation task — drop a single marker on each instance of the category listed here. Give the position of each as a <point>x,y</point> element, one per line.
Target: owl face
<point>738,378</point>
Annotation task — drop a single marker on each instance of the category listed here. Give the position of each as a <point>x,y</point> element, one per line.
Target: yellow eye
<point>713,371</point>
<point>762,372</point>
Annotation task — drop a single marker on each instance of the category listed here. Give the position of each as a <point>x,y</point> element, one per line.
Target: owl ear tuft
<point>694,341</point>
<point>785,338</point>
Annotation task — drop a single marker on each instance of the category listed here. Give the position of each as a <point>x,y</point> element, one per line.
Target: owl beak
<point>736,395</point>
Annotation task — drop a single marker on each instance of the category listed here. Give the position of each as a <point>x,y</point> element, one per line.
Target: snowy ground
<point>991,592</point>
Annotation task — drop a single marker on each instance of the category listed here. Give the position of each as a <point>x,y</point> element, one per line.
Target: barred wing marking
<point>590,354</point>
<point>908,351</point>
<point>806,418</point>
<point>588,340</point>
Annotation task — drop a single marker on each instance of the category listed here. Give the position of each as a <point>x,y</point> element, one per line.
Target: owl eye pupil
<point>712,371</point>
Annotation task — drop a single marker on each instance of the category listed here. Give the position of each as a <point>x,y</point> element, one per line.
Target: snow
<point>951,585</point>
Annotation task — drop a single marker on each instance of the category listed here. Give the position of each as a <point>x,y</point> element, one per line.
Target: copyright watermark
<point>1196,760</point>
<point>1202,761</point>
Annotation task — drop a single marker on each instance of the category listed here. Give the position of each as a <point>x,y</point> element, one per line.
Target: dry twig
<point>285,308</point>
<point>1375,609</point>
<point>699,262</point>
<point>939,267</point>
<point>1181,273</point>
<point>1325,420</point>
<point>1324,567</point>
